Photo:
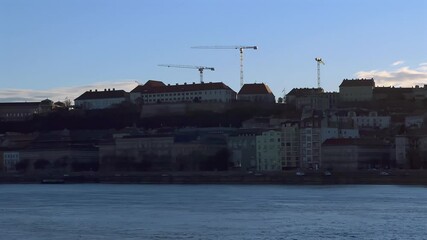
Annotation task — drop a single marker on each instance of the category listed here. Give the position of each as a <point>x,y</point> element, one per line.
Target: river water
<point>108,211</point>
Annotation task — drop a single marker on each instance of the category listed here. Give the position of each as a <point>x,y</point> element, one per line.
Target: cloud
<point>401,77</point>
<point>398,63</point>
<point>60,94</point>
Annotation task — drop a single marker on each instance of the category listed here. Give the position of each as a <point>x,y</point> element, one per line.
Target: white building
<point>414,121</point>
<point>370,120</point>
<point>101,99</point>
<point>268,151</point>
<point>153,92</point>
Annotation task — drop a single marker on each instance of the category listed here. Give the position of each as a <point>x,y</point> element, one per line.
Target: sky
<point>60,49</point>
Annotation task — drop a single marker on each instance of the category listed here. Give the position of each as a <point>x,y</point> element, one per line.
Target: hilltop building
<point>256,92</point>
<point>21,111</point>
<point>101,99</point>
<point>153,92</point>
<point>357,90</point>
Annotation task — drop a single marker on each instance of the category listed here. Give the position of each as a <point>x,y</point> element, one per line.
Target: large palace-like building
<point>157,92</point>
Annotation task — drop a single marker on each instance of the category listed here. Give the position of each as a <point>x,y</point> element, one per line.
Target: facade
<point>21,111</point>
<point>392,93</point>
<point>243,149</point>
<point>313,98</point>
<point>402,147</point>
<point>357,90</point>
<point>154,92</point>
<point>101,99</point>
<point>414,121</point>
<point>370,120</point>
<point>310,143</point>
<point>355,154</point>
<point>268,151</point>
<point>10,159</point>
<point>256,92</point>
<point>290,151</point>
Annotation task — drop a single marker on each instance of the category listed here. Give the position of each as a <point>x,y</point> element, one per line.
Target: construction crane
<point>200,68</point>
<point>241,48</point>
<point>319,61</point>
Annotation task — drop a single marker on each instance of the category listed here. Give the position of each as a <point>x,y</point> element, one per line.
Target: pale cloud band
<point>398,63</point>
<point>60,94</point>
<point>401,77</point>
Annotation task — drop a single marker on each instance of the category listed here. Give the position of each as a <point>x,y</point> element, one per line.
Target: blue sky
<point>56,49</point>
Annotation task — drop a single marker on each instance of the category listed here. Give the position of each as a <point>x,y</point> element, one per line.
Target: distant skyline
<point>57,49</point>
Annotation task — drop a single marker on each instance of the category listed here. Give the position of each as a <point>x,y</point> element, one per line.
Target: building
<point>357,90</point>
<point>256,92</point>
<point>310,143</point>
<point>355,154</point>
<point>307,97</point>
<point>101,99</point>
<point>268,151</point>
<point>22,111</point>
<point>243,149</point>
<point>402,147</point>
<point>414,121</point>
<point>154,92</point>
<point>370,119</point>
<point>290,145</point>
<point>392,93</point>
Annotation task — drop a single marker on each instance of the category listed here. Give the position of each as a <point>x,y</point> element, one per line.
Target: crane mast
<point>241,48</point>
<point>319,61</point>
<point>199,68</point>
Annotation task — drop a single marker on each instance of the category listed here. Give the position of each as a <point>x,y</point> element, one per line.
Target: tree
<point>67,102</point>
<point>41,164</point>
<point>22,165</point>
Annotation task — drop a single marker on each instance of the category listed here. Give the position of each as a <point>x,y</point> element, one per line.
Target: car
<point>300,173</point>
<point>383,173</point>
<point>327,173</point>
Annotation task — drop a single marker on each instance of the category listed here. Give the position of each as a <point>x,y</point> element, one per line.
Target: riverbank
<point>411,177</point>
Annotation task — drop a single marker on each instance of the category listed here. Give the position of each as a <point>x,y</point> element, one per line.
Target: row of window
<point>18,114</point>
<point>181,94</point>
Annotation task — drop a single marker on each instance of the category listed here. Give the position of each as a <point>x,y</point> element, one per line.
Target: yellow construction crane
<point>319,61</point>
<point>200,68</point>
<point>241,48</point>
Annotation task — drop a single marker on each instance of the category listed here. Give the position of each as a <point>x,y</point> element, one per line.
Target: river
<point>126,211</point>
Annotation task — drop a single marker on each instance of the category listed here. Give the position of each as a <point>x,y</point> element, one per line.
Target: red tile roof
<point>255,88</point>
<point>358,83</point>
<point>149,87</point>
<point>149,84</point>
<point>102,94</point>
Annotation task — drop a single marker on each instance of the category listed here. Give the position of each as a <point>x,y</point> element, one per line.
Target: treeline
<point>128,114</point>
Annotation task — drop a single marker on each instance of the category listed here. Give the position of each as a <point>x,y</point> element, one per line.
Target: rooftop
<point>107,93</point>
<point>159,87</point>
<point>358,83</point>
<point>255,88</point>
<point>300,92</point>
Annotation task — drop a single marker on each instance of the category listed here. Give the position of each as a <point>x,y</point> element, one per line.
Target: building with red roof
<point>256,92</point>
<point>153,92</point>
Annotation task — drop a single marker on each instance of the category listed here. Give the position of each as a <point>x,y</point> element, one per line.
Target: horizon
<point>61,49</point>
